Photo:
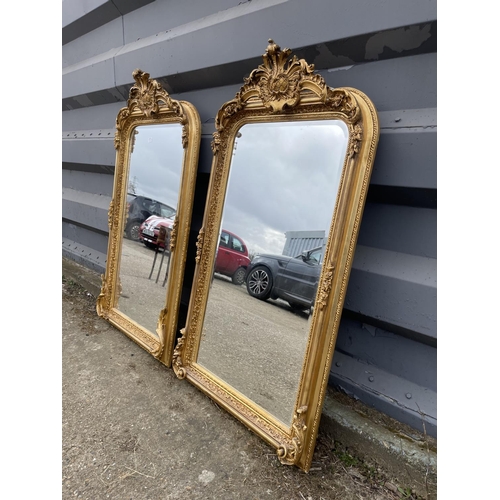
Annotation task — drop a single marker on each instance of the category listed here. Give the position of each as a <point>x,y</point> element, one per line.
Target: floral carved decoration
<point>199,245</point>
<point>177,366</point>
<point>145,96</point>
<point>289,454</point>
<point>326,287</point>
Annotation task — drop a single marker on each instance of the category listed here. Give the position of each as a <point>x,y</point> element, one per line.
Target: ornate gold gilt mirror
<point>157,144</point>
<point>291,168</point>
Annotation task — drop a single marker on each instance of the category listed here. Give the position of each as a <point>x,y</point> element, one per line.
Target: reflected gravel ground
<point>141,298</point>
<point>255,346</point>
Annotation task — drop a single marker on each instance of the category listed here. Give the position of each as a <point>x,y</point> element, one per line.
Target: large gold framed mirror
<point>291,168</point>
<point>157,143</point>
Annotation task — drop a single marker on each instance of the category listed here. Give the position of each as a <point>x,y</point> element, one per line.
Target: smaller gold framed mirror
<point>290,173</point>
<point>157,143</point>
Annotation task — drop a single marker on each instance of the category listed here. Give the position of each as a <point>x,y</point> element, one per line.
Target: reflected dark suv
<point>139,208</point>
<point>293,279</point>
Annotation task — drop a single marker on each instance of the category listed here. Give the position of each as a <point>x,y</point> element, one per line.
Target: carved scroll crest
<point>145,96</point>
<point>289,454</point>
<point>280,83</point>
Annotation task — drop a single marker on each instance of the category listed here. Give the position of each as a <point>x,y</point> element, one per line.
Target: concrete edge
<point>410,463</point>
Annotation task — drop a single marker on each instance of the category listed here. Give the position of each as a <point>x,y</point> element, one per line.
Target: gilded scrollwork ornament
<point>149,105</point>
<point>325,287</point>
<point>215,142</point>
<point>289,454</point>
<point>177,366</point>
<point>355,141</point>
<point>102,304</point>
<point>173,234</point>
<point>146,94</point>
<point>111,212</point>
<point>284,89</point>
<point>199,245</point>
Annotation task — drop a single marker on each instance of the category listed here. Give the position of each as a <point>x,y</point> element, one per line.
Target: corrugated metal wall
<point>297,242</point>
<point>200,51</point>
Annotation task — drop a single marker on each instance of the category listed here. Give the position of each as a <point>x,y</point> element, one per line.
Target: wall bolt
<point>408,395</point>
<point>371,378</point>
<point>338,363</point>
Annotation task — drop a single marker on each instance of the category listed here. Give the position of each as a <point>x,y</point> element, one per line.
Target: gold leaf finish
<point>173,234</point>
<point>290,453</point>
<point>150,104</point>
<point>179,370</point>
<point>325,288</point>
<point>199,245</point>
<point>285,89</point>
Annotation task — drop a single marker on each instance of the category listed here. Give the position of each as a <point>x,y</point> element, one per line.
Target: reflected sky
<point>284,177</point>
<point>156,162</point>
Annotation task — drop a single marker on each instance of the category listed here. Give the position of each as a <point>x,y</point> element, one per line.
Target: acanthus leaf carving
<point>177,365</point>
<point>326,287</point>
<point>215,143</point>
<point>145,96</point>
<point>173,234</point>
<point>289,453</point>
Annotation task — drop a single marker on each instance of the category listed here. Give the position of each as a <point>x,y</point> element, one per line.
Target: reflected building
<point>301,241</point>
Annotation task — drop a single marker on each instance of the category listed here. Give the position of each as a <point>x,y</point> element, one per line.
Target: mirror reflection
<point>281,193</point>
<point>152,196</point>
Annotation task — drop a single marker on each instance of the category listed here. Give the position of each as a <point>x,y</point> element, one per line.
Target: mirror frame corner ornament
<point>150,104</point>
<point>284,89</point>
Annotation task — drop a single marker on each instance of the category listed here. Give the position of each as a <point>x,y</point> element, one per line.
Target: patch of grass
<point>72,287</point>
<point>347,459</point>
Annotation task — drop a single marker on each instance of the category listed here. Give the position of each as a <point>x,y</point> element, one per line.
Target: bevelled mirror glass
<point>291,168</point>
<point>157,142</point>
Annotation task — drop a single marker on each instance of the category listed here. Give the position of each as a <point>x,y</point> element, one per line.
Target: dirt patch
<point>132,430</point>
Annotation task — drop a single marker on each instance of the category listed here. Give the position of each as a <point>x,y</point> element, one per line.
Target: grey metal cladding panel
<point>86,209</point>
<point>82,79</point>
<point>73,10</point>
<point>396,289</point>
<point>100,184</point>
<point>399,228</point>
<point>163,15</point>
<point>406,157</point>
<point>76,234</point>
<point>92,44</point>
<point>401,83</point>
<point>92,118</point>
<point>94,152</point>
<point>205,42</point>
<point>79,18</point>
<point>416,409</point>
<point>388,351</point>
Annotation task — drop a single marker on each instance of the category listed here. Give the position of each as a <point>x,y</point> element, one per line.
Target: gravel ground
<point>132,430</point>
<point>256,346</point>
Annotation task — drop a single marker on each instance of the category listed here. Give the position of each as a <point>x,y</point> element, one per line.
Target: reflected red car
<point>150,228</point>
<point>232,257</point>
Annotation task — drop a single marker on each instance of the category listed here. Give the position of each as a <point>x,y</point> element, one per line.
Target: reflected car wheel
<point>259,283</point>
<point>238,277</point>
<point>133,231</point>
